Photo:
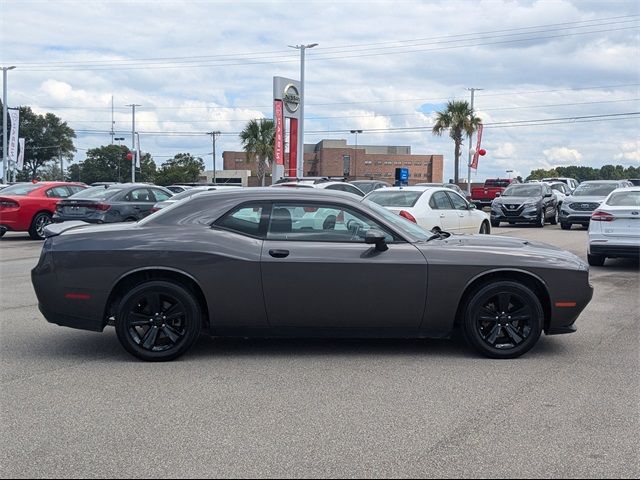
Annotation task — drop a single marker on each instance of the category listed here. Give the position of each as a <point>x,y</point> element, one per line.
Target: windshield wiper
<point>439,235</point>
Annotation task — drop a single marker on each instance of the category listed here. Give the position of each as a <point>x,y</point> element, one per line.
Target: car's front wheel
<point>541,219</point>
<point>554,219</point>
<point>158,320</point>
<point>503,319</point>
<point>595,260</point>
<point>484,228</point>
<point>495,223</point>
<point>565,226</point>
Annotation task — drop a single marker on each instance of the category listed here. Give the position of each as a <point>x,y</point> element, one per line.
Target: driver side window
<point>320,223</point>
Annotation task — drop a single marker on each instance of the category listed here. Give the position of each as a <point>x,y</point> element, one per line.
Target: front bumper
<point>524,216</point>
<point>574,217</point>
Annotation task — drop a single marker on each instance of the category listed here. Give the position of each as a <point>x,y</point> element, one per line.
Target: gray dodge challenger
<point>302,263</point>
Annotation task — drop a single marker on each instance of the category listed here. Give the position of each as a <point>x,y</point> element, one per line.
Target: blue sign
<point>402,175</point>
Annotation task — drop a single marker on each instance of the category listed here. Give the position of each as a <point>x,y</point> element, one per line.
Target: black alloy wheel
<point>158,320</point>
<point>41,220</point>
<point>541,220</point>
<point>503,319</point>
<point>485,229</point>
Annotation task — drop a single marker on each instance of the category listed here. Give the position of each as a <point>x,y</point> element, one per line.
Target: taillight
<point>408,216</point>
<point>99,206</point>
<point>602,216</point>
<point>6,203</point>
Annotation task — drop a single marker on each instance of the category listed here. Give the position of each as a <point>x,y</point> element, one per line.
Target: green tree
<point>47,138</point>
<point>258,139</point>
<point>460,120</point>
<point>109,163</point>
<point>182,168</point>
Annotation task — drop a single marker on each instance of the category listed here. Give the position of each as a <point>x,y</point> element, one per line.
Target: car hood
<point>516,200</point>
<point>585,199</point>
<point>502,251</point>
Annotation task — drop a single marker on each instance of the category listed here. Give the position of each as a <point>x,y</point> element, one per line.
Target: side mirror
<point>377,238</point>
<point>498,194</point>
<point>472,206</point>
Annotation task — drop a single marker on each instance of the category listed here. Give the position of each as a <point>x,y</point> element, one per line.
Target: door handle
<point>279,253</point>
<point>442,215</point>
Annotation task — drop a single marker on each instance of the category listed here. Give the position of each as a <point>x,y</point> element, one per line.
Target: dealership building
<point>335,158</point>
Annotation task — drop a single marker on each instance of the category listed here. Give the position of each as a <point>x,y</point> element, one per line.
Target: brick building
<point>337,159</point>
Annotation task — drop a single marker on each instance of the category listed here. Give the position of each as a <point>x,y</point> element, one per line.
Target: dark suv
<point>525,203</point>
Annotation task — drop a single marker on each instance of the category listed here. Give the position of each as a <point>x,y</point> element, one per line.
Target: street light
<point>509,172</point>
<point>5,160</point>
<point>119,139</point>
<point>355,155</point>
<point>300,153</point>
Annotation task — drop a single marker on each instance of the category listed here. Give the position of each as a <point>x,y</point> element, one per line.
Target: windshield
<point>96,193</point>
<point>20,189</point>
<point>624,199</point>
<point>594,189</point>
<point>401,223</point>
<point>497,183</point>
<point>523,191</point>
<point>366,187</point>
<point>395,198</point>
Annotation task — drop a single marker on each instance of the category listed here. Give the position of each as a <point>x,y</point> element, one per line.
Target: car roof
<point>412,188</point>
<point>603,181</point>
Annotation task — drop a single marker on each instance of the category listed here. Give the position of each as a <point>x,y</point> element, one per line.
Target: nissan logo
<point>291,98</point>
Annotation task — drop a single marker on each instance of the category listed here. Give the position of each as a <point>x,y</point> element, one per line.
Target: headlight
<point>530,205</point>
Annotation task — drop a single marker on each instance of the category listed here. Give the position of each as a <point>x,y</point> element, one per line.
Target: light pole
<point>300,153</point>
<point>133,140</point>
<point>355,155</point>
<point>473,91</point>
<point>119,139</point>
<point>509,172</point>
<point>213,140</point>
<point>4,123</point>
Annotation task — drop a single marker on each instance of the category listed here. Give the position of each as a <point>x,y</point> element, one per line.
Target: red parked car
<point>28,207</point>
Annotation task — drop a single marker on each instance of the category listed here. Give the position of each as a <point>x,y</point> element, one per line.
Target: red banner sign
<point>474,161</point>
<point>278,114</point>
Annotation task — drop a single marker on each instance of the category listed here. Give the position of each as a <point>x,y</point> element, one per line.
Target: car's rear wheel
<point>485,229</point>
<point>596,260</point>
<point>158,320</point>
<point>503,319</point>
<point>565,226</point>
<point>36,229</point>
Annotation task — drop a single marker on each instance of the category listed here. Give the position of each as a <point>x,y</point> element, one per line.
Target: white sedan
<point>614,230</point>
<point>433,208</point>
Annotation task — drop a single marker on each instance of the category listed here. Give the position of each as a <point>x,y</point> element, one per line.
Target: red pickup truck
<point>483,196</point>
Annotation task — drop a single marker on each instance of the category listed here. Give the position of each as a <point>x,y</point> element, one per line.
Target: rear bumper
<point>617,251</point>
<point>92,218</point>
<point>64,320</point>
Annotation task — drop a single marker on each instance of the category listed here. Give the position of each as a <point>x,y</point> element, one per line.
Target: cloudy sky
<point>560,78</point>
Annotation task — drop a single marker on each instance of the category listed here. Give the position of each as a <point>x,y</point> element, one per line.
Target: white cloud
<point>630,151</point>
<point>562,155</point>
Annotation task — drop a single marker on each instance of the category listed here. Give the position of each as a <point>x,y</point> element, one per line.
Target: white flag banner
<point>138,152</point>
<point>12,149</point>
<point>20,165</point>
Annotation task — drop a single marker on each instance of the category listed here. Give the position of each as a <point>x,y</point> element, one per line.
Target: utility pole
<point>112,122</point>
<point>133,140</point>
<point>61,165</point>
<point>355,155</point>
<point>473,91</point>
<point>5,161</point>
<point>300,154</point>
<point>213,140</point>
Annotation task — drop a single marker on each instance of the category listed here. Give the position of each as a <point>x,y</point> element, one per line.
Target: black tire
<point>596,260</point>
<point>485,229</point>
<point>540,221</point>
<point>2,232</point>
<point>36,229</point>
<point>554,219</point>
<point>503,337</point>
<point>565,226</point>
<point>162,335</point>
<point>495,223</point>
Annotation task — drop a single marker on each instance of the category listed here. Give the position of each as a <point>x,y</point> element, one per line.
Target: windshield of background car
<point>523,191</point>
<point>624,199</point>
<point>395,198</point>
<point>594,189</point>
<point>404,225</point>
<point>366,187</point>
<point>96,193</point>
<point>20,189</point>
<point>497,183</point>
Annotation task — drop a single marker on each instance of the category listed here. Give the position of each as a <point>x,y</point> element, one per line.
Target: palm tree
<point>458,117</point>
<point>258,139</point>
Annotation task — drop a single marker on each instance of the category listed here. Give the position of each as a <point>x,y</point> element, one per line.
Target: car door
<point>468,222</point>
<point>321,274</point>
<point>446,215</point>
<point>139,203</point>
<point>548,202</point>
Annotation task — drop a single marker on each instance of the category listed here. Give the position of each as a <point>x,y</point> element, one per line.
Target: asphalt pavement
<point>74,404</point>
